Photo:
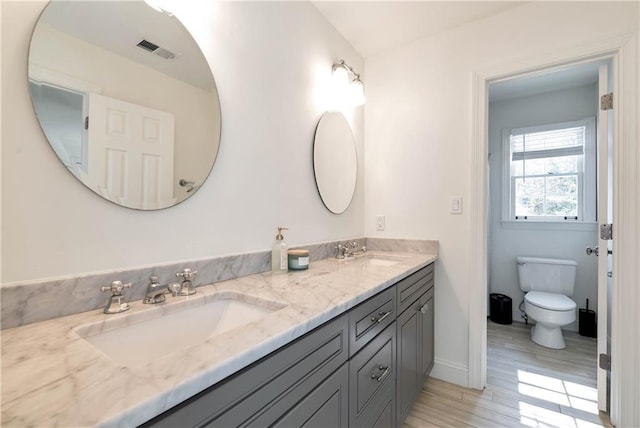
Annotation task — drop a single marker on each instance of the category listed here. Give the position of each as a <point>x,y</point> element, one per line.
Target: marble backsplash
<point>33,301</point>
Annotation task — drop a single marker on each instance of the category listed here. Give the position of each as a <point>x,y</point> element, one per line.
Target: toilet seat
<point>550,301</point>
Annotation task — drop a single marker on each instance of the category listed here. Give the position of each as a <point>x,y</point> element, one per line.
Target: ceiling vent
<point>156,50</point>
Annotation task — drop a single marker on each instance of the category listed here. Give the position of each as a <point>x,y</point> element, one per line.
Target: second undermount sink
<point>135,339</point>
<point>384,260</point>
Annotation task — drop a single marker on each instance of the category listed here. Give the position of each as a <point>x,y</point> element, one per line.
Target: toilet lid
<point>551,301</point>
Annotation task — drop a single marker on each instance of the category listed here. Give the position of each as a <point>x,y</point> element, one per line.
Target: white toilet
<point>548,283</point>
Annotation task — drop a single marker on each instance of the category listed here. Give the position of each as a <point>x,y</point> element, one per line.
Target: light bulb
<point>356,92</point>
<point>340,78</point>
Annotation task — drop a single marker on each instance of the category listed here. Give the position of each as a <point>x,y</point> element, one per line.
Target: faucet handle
<point>154,280</point>
<point>116,287</point>
<point>186,274</point>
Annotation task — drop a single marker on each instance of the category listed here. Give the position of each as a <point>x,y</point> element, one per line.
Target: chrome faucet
<point>187,287</point>
<point>116,303</point>
<point>155,292</point>
<point>354,249</point>
<point>349,249</point>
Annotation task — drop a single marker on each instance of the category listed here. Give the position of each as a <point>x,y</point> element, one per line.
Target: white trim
<point>625,319</point>
<point>39,73</point>
<point>478,206</point>
<point>551,225</point>
<point>450,372</point>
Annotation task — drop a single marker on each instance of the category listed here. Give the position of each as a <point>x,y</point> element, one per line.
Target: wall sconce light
<point>350,92</point>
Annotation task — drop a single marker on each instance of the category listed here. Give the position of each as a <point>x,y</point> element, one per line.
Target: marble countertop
<point>53,377</point>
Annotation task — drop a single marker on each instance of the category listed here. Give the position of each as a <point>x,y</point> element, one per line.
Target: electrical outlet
<point>380,222</point>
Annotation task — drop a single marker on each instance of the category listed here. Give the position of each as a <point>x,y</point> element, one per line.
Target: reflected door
<point>130,153</point>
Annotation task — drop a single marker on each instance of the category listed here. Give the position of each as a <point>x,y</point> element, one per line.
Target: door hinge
<point>86,122</point>
<point>606,232</point>
<point>606,101</point>
<point>604,362</point>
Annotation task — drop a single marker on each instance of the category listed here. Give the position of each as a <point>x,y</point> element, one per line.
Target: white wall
<point>508,243</point>
<point>272,62</point>
<point>418,131</point>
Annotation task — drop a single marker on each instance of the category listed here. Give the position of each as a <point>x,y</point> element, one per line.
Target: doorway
<point>542,186</point>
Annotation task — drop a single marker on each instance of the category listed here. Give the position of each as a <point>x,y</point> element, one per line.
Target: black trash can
<point>500,308</point>
<point>587,322</point>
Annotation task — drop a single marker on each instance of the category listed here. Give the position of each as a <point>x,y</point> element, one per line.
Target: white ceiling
<point>375,26</point>
<point>119,25</point>
<point>372,27</point>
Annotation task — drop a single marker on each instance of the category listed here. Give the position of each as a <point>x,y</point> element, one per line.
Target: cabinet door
<point>372,379</point>
<point>426,334</point>
<point>325,406</point>
<point>409,345</point>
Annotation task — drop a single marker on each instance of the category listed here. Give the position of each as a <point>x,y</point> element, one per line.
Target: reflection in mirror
<point>335,162</point>
<point>126,99</point>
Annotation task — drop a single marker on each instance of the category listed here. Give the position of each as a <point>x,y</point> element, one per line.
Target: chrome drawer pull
<point>424,308</point>
<point>384,374</point>
<point>382,316</point>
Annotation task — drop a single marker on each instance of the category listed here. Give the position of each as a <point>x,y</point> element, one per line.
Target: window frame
<point>587,179</point>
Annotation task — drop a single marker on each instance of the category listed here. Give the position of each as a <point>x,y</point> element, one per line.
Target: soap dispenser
<point>279,256</point>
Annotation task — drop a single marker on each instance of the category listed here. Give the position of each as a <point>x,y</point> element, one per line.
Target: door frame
<point>625,344</point>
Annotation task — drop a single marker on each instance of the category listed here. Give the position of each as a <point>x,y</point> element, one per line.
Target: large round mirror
<point>335,162</point>
<point>126,100</point>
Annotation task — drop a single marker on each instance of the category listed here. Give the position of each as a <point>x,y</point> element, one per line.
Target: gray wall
<point>505,244</point>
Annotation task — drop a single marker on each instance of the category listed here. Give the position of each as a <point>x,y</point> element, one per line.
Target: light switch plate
<point>456,205</point>
<point>380,222</point>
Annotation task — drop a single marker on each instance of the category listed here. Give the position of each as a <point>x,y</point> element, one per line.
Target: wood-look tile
<point>527,385</point>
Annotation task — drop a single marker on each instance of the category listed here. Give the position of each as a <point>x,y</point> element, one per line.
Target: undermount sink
<point>138,338</point>
<point>384,260</point>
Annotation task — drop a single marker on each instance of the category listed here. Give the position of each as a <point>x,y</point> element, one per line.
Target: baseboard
<point>451,372</point>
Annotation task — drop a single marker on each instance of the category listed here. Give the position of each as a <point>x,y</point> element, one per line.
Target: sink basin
<point>135,339</point>
<point>384,260</point>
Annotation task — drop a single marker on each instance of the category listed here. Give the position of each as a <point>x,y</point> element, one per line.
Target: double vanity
<point>344,343</point>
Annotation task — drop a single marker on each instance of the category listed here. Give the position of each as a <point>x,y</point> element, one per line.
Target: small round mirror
<point>335,162</point>
<point>126,100</point>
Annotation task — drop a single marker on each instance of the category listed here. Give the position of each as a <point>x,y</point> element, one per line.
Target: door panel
<point>130,155</point>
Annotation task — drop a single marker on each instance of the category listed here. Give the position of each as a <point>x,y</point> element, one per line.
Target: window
<point>550,173</point>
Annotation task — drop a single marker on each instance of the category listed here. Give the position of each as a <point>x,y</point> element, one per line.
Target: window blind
<point>554,143</point>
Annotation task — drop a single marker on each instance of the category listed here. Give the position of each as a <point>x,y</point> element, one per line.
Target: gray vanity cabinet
<point>415,338</point>
<point>361,369</point>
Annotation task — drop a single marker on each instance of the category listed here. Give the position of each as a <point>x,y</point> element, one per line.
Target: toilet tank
<point>550,275</point>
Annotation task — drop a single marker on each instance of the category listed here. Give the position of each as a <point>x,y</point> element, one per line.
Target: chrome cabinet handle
<point>382,316</point>
<point>385,373</point>
<point>424,308</point>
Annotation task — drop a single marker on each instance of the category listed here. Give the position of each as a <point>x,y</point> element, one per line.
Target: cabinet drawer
<point>410,288</point>
<point>372,375</point>
<point>369,318</point>
<point>268,387</point>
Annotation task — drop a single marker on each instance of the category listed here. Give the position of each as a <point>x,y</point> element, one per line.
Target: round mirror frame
<point>335,162</point>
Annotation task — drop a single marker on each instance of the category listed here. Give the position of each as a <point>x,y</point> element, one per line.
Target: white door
<point>605,216</point>
<point>130,153</point>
